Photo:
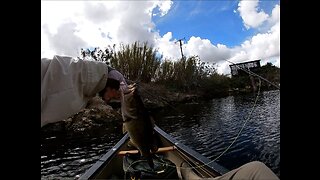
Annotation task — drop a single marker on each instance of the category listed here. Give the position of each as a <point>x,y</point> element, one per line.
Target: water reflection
<point>210,128</point>
<point>69,157</point>
<point>207,127</point>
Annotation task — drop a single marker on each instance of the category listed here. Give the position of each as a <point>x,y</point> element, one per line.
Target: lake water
<point>207,127</point>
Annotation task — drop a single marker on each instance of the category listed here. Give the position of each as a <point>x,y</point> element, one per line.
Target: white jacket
<point>67,85</point>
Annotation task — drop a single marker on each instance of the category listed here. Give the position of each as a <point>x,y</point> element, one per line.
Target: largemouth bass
<point>138,123</point>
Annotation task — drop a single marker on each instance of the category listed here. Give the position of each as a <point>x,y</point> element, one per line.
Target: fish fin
<point>130,86</point>
<point>124,129</point>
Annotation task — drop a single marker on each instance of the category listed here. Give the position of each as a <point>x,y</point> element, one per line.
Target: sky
<point>216,31</point>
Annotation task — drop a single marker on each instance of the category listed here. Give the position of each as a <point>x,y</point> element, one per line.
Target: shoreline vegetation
<point>162,83</point>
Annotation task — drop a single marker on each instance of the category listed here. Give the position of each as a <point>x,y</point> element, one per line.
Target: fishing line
<point>246,120</point>
<point>159,98</point>
<point>126,170</point>
<point>252,73</point>
<point>254,105</point>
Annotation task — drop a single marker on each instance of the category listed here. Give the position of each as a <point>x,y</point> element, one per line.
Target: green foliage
<point>215,85</point>
<point>268,72</point>
<point>136,62</point>
<point>140,62</point>
<point>98,54</point>
<point>184,74</point>
<point>165,72</point>
<point>240,82</point>
<point>271,73</point>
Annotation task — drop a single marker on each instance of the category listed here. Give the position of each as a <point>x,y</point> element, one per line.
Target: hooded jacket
<point>67,85</point>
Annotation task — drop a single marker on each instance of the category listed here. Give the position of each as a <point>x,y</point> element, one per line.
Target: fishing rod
<point>252,73</point>
<point>240,131</point>
<point>234,140</point>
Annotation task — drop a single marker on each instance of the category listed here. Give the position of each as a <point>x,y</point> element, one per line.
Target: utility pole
<point>181,47</point>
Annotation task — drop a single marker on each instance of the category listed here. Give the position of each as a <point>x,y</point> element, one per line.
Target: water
<point>68,157</point>
<point>207,127</point>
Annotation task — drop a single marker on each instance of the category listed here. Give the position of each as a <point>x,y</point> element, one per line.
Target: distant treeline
<point>141,62</point>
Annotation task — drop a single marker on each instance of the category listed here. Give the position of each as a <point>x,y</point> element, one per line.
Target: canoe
<point>178,161</point>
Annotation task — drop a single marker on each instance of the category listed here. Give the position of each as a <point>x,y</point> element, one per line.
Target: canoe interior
<point>189,164</point>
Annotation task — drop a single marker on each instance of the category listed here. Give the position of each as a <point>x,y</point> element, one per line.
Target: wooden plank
<point>160,150</point>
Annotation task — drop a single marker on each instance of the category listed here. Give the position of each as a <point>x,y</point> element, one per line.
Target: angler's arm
<point>67,85</point>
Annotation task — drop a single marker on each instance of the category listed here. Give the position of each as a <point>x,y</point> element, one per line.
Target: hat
<point>116,75</point>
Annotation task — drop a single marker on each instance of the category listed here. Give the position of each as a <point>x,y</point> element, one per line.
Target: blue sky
<point>215,30</point>
<point>215,21</point>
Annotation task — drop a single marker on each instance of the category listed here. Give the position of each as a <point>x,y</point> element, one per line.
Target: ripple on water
<point>208,127</point>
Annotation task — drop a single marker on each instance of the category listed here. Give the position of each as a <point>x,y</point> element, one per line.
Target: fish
<point>138,123</point>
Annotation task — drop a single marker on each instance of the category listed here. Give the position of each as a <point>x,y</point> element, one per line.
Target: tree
<point>271,73</point>
<point>97,54</point>
<point>136,62</point>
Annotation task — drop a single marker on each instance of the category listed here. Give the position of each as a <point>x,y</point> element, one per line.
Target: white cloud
<point>206,50</point>
<point>277,62</point>
<point>134,25</point>
<point>263,45</point>
<point>260,46</point>
<point>96,23</point>
<point>167,47</point>
<point>223,67</point>
<point>99,12</point>
<point>68,26</point>
<point>65,42</point>
<point>275,16</point>
<point>164,7</point>
<point>250,15</point>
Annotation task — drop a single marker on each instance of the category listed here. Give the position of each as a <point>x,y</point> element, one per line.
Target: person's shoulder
<point>61,57</point>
